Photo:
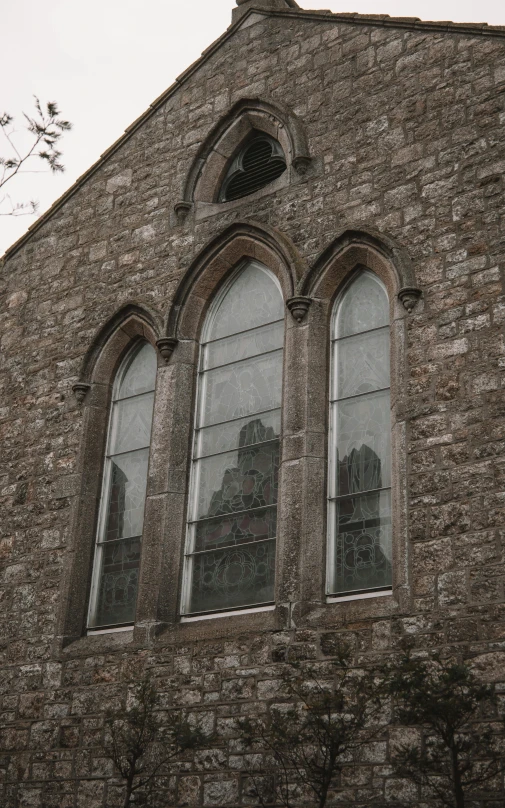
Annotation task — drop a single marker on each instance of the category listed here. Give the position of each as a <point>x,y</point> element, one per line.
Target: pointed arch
<point>240,241</point>
<point>107,347</point>
<point>361,247</point>
<point>246,115</point>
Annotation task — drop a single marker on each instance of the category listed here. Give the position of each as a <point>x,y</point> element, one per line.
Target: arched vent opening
<point>259,162</point>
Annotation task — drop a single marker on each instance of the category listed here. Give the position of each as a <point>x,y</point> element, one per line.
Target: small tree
<point>457,752</point>
<point>45,129</point>
<point>141,747</point>
<point>310,737</point>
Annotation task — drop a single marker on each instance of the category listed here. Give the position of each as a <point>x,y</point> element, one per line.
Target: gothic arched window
<point>232,514</point>
<point>359,518</point>
<point>121,517</point>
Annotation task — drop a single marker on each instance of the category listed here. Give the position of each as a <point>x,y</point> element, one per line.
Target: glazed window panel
<point>120,525</point>
<point>232,514</point>
<point>359,518</point>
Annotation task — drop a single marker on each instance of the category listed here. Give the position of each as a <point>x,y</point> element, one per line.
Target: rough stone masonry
<point>404,124</point>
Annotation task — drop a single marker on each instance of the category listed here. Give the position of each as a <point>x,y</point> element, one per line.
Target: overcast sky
<point>104,61</point>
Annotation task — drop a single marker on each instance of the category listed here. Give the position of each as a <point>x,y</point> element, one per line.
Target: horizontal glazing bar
<point>359,494</point>
<point>135,395</point>
<point>238,418</point>
<point>232,514</point>
<point>235,546</point>
<point>359,333</point>
<point>128,451</point>
<point>360,395</point>
<point>236,449</point>
<point>240,361</point>
<point>246,331</point>
<point>116,541</point>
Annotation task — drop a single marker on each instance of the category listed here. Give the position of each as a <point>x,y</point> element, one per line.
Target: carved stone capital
<point>166,347</point>
<point>80,390</point>
<point>409,296</point>
<point>298,306</point>
<point>182,209</point>
<point>301,164</point>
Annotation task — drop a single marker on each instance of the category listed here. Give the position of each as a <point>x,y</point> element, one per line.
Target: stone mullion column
<point>166,504</point>
<point>315,486</point>
<point>295,467</point>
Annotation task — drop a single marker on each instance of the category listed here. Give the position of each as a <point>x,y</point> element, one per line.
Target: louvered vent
<point>260,162</point>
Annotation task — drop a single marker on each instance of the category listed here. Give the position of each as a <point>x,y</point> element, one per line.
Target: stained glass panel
<point>240,528</point>
<point>241,346</point>
<point>236,481</point>
<point>253,299</point>
<point>233,509</point>
<point>360,449</point>
<point>363,549</point>
<point>131,423</point>
<point>139,375</point>
<point>363,307</point>
<point>242,432</point>
<point>363,435</point>
<point>250,386</point>
<point>362,364</point>
<point>127,494</point>
<point>119,576</point>
<point>117,556</point>
<point>227,579</point>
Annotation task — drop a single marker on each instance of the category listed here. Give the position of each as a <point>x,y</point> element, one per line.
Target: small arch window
<point>232,514</point>
<point>359,519</point>
<point>258,163</point>
<point>121,516</point>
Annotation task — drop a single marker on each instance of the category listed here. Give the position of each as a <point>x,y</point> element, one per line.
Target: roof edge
<point>378,20</point>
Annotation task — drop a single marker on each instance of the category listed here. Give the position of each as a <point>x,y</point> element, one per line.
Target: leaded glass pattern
<point>360,441</point>
<point>117,555</point>
<point>232,516</point>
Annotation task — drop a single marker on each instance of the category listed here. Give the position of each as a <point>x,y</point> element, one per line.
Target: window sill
<point>233,613</point>
<point>92,632</point>
<point>362,596</point>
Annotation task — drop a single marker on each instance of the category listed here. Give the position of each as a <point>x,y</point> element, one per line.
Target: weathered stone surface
<point>405,128</point>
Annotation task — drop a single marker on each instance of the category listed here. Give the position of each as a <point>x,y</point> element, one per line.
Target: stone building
<point>291,267</point>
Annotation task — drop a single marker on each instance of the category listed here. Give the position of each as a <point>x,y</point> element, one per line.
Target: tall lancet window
<point>360,441</point>
<point>232,515</point>
<point>121,518</point>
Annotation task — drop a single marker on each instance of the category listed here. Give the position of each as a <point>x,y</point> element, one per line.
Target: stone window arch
<point>359,451</point>
<point>232,514</point>
<point>116,567</point>
<point>247,118</point>
<point>118,341</point>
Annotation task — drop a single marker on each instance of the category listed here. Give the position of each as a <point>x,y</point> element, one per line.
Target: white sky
<point>105,61</point>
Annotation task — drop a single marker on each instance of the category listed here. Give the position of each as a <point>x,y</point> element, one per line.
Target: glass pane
<point>241,346</point>
<point>362,364</point>
<point>364,306</point>
<point>237,481</point>
<point>224,531</point>
<point>118,583</point>
<point>363,437</point>
<point>127,494</point>
<point>131,423</point>
<point>253,299</point>
<point>243,432</point>
<point>238,390</point>
<point>239,576</point>
<point>139,375</point>
<point>363,544</point>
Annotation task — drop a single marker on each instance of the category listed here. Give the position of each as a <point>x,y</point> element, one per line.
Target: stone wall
<point>406,130</point>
